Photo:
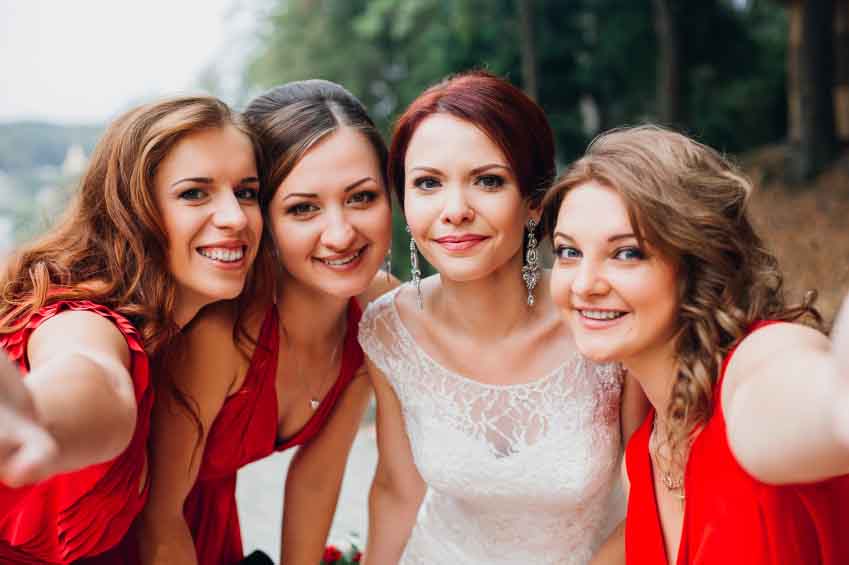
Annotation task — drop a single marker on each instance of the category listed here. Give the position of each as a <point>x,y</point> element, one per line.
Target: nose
<point>457,209</point>
<point>589,280</point>
<point>228,213</point>
<point>338,233</point>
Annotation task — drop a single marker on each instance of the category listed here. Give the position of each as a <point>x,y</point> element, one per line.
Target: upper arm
<point>771,355</point>
<point>395,465</point>
<point>203,374</point>
<point>85,334</point>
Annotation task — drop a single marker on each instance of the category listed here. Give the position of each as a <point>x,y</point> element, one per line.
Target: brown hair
<point>691,203</point>
<point>110,245</point>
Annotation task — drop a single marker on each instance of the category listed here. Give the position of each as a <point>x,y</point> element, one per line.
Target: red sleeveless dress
<point>731,518</point>
<point>244,431</point>
<point>80,517</point>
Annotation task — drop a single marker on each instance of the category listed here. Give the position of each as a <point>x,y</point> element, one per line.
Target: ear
<point>535,212</point>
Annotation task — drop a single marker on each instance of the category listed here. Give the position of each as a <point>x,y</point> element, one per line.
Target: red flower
<point>331,555</point>
<point>357,557</point>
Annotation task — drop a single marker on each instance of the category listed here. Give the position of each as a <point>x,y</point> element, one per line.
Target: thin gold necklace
<point>314,399</point>
<point>674,484</point>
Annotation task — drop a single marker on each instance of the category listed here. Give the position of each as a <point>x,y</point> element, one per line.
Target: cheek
<point>561,282</point>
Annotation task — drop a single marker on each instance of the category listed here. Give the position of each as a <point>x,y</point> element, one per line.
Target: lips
<point>342,260</point>
<point>460,242</point>
<point>223,254</point>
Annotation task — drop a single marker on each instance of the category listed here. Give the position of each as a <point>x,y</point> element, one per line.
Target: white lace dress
<point>518,474</point>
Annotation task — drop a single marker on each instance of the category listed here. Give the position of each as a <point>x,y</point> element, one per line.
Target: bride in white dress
<point>498,442</point>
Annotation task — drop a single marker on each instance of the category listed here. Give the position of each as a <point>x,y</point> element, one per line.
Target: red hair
<point>514,122</point>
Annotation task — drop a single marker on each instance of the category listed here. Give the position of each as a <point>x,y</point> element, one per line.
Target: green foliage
<point>599,55</point>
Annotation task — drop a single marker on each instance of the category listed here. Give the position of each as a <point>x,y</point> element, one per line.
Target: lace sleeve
<point>381,339</point>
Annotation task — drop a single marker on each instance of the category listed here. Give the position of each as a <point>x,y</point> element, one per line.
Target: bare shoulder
<point>77,331</point>
<point>382,283</point>
<point>771,348</point>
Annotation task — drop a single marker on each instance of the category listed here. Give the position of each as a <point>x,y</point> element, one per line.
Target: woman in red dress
<point>295,377</point>
<point>166,221</point>
<point>744,458</point>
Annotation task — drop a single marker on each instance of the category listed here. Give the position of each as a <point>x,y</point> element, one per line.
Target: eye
<point>629,254</point>
<point>490,181</point>
<point>426,183</point>
<point>363,197</point>
<point>250,194</point>
<point>302,209</point>
<point>566,253</point>
<point>192,194</point>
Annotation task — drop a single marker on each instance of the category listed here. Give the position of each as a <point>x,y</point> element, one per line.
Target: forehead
<point>215,152</point>
<point>443,138</point>
<point>340,158</point>
<point>593,208</point>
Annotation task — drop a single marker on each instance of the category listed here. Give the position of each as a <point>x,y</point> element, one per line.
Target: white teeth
<point>343,261</point>
<point>601,314</point>
<point>223,254</point>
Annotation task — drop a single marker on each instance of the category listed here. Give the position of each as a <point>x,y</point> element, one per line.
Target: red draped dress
<point>244,431</point>
<point>81,517</point>
<point>731,518</point>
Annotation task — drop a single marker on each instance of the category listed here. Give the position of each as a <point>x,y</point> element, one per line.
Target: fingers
<point>27,452</point>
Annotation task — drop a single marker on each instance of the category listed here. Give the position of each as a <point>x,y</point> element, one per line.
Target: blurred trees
<point>715,68</point>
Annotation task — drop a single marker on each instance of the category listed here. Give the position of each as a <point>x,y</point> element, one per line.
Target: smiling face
<point>206,191</point>
<point>620,299</point>
<point>330,217</point>
<point>461,199</point>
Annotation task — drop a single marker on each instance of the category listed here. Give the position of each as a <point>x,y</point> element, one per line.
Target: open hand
<point>27,450</point>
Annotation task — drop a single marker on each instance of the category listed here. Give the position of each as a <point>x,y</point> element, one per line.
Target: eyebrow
<point>207,180</point>
<point>475,171</point>
<point>348,189</point>
<point>610,239</point>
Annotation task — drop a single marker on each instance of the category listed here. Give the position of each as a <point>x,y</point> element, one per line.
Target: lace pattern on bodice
<point>515,473</point>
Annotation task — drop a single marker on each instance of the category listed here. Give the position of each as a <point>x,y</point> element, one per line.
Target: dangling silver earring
<point>387,264</point>
<point>530,271</point>
<point>415,272</point>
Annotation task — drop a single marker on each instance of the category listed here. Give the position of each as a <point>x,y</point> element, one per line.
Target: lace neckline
<point>574,358</point>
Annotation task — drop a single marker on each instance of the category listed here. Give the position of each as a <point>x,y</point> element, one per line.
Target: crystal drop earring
<point>415,272</point>
<point>530,271</point>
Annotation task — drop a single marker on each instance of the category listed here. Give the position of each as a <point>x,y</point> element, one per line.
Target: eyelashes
<point>361,199</point>
<point>487,182</point>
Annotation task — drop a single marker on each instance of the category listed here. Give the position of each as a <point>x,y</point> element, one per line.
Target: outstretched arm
<point>397,489</point>
<point>79,391</point>
<point>785,403</point>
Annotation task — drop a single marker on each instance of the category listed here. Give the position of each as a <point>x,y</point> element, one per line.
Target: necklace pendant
<point>314,403</point>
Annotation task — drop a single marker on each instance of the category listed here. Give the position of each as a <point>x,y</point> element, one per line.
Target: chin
<point>598,352</point>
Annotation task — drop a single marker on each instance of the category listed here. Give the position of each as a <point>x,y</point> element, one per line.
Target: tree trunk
<point>668,93</point>
<point>817,136</point>
<point>526,44</point>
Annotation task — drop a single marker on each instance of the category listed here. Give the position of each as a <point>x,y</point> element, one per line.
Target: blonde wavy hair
<point>691,204</point>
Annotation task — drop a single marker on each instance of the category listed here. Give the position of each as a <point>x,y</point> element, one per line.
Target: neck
<point>311,318</point>
<point>655,370</point>
<point>186,309</point>
<point>490,307</point>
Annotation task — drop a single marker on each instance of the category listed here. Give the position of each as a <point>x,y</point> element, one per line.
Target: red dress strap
<point>87,512</point>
